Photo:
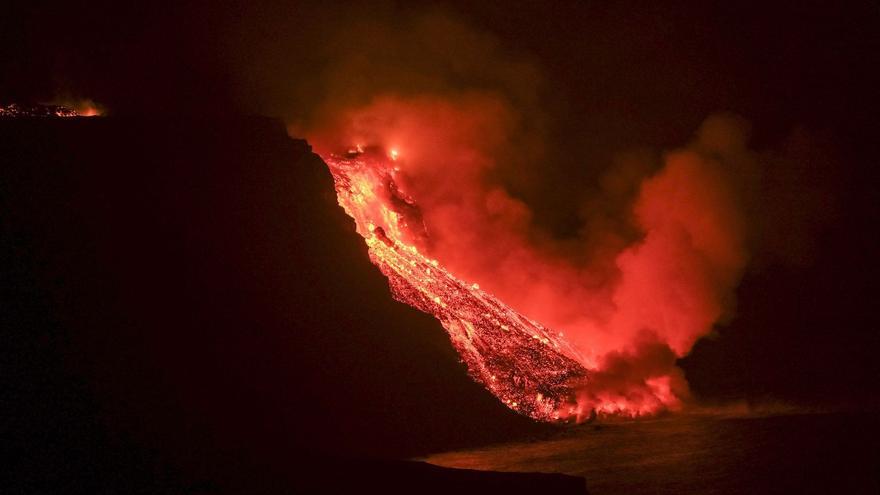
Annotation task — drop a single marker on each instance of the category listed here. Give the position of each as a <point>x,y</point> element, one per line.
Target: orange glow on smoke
<point>89,112</point>
<point>82,107</point>
<point>552,336</point>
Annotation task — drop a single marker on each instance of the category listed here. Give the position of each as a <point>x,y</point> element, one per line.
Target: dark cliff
<point>185,305</point>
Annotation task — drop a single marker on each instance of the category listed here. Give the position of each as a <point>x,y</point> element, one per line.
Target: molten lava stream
<point>531,369</point>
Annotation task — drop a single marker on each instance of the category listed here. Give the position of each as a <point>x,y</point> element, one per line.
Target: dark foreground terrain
<point>718,453</point>
<point>186,309</point>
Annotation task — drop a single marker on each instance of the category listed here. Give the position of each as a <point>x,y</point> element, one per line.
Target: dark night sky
<point>607,78</point>
<point>602,78</point>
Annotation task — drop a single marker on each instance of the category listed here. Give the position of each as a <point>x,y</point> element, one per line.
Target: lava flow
<point>530,368</point>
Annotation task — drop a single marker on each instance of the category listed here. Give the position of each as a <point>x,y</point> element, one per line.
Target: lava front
<point>530,368</point>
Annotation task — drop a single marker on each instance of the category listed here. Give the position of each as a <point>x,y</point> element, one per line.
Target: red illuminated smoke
<point>631,310</point>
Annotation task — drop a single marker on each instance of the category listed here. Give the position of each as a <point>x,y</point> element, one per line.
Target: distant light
<point>393,154</point>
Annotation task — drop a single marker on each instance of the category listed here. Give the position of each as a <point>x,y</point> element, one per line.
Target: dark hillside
<point>184,302</point>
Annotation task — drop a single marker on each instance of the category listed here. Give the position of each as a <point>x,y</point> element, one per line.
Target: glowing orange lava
<point>645,277</point>
<point>530,368</point>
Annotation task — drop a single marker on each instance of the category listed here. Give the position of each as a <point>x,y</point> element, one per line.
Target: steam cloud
<point>661,245</point>
<point>634,309</point>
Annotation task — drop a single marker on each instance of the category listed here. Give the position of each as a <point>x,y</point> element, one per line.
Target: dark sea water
<point>705,453</point>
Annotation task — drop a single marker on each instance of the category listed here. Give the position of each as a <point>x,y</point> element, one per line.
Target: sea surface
<point>713,453</point>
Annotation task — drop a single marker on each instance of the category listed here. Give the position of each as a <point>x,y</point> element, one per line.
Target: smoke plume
<point>662,239</point>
